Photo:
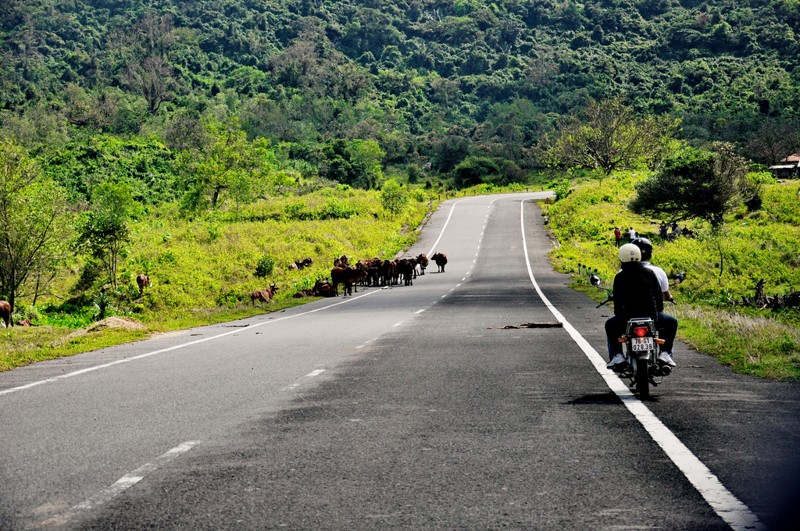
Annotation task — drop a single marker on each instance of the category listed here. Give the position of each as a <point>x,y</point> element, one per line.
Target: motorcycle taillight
<point>640,331</point>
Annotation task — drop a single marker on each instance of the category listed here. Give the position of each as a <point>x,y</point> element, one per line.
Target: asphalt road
<point>476,398</point>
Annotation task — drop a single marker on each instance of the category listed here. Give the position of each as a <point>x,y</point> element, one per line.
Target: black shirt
<point>636,292</point>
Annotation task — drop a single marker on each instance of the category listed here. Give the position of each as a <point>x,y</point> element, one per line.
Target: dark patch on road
<point>533,325</point>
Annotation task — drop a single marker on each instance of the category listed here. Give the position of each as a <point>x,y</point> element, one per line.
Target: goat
<point>300,264</point>
<point>678,277</point>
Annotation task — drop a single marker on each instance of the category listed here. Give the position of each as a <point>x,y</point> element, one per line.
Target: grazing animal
<point>5,313</point>
<point>143,281</point>
<point>441,261</point>
<point>405,269</point>
<point>387,271</point>
<point>349,276</point>
<point>422,260</point>
<point>263,295</point>
<point>323,288</point>
<point>300,264</point>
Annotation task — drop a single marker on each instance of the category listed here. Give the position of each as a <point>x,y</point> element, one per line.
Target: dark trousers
<point>615,327</point>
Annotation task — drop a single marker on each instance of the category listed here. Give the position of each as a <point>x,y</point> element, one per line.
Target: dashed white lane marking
<point>398,323</point>
<point>312,374</point>
<point>419,311</point>
<point>735,513</point>
<point>121,485</point>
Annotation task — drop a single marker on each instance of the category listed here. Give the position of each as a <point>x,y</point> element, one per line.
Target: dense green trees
<point>213,106</point>
<point>35,226</point>
<point>300,71</point>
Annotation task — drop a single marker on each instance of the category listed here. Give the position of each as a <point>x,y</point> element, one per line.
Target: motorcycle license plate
<point>639,344</point>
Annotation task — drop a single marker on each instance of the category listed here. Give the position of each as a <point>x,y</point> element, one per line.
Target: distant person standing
<point>617,235</point>
<point>631,234</point>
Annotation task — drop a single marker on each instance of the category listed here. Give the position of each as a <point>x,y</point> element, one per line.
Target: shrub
<point>265,266</point>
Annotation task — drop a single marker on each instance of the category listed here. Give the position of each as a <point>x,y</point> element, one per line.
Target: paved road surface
<point>476,398</point>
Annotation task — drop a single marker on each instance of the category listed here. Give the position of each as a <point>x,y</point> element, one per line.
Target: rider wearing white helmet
<point>636,294</point>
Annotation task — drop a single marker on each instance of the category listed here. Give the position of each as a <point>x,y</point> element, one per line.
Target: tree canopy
<point>694,183</point>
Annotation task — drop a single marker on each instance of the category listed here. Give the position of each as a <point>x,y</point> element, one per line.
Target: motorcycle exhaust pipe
<point>666,370</point>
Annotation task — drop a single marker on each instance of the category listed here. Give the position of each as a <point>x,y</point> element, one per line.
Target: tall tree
<point>606,136</point>
<point>695,183</point>
<point>106,228</point>
<point>227,164</point>
<point>33,216</point>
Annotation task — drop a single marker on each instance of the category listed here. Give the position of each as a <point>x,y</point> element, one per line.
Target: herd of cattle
<point>372,272</point>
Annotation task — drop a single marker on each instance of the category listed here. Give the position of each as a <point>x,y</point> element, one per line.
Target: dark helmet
<point>645,246</point>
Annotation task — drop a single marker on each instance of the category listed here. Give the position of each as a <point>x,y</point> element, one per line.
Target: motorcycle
<point>642,346</point>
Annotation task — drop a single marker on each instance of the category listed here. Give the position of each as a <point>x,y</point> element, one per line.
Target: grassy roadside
<point>757,343</point>
<point>23,345</point>
<point>759,245</point>
<point>203,270</point>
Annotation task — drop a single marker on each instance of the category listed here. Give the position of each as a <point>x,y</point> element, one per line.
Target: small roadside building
<point>788,168</point>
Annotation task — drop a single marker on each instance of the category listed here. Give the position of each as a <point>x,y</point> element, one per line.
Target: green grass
<point>203,270</point>
<point>720,270</point>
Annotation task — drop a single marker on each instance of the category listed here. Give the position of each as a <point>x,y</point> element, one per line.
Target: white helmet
<point>629,253</point>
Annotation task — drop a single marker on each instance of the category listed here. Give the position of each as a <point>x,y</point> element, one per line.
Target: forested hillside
<point>429,81</point>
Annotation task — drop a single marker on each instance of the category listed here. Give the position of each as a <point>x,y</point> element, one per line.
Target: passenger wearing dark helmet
<point>636,294</point>
<point>667,325</point>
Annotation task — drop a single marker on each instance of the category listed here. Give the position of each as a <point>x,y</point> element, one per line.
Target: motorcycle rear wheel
<point>642,379</point>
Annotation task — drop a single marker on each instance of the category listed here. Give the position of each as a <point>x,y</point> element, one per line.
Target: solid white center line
<point>735,513</point>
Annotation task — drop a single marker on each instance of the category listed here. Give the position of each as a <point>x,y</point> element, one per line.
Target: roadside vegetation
<point>210,145</point>
<point>722,267</point>
<point>203,269</point>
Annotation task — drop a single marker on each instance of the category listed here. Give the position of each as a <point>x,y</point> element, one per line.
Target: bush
<point>265,266</point>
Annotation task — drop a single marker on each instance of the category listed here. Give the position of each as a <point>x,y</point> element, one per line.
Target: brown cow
<point>143,281</point>
<point>323,288</point>
<point>300,264</point>
<point>441,261</point>
<point>387,272</point>
<point>263,295</point>
<point>405,269</point>
<point>422,260</point>
<point>5,313</point>
<point>349,276</point>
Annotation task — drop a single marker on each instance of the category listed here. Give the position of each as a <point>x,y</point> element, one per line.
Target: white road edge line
<point>121,485</point>
<point>735,513</point>
<point>176,347</point>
